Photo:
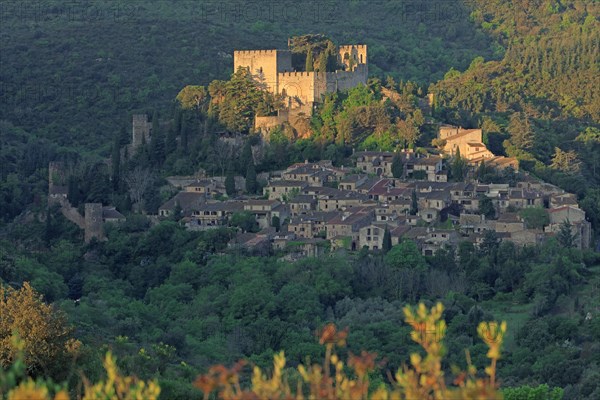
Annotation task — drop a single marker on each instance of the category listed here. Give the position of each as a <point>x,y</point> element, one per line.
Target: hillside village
<point>310,208</point>
<point>313,207</point>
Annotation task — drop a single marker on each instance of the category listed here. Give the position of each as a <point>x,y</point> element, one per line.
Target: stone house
<point>302,204</point>
<point>215,214</point>
<point>279,189</point>
<point>436,239</point>
<point>580,228</point>
<point>265,210</point>
<point>371,236</point>
<point>348,225</point>
<point>205,186</point>
<point>188,201</point>
<point>509,222</point>
<point>310,225</point>
<point>340,200</point>
<point>375,162</point>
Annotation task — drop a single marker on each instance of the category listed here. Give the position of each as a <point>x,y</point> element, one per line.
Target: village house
<point>428,214</point>
<point>469,144</point>
<point>580,227</point>
<point>298,248</point>
<point>187,201</point>
<point>258,244</point>
<point>431,167</point>
<point>436,239</point>
<point>352,182</point>
<point>265,210</point>
<point>371,236</point>
<point>509,222</point>
<point>385,190</point>
<point>375,162</point>
<point>111,215</point>
<point>340,200</point>
<point>347,225</point>
<point>310,225</point>
<point>215,214</point>
<point>302,204</point>
<point>206,187</point>
<point>283,189</point>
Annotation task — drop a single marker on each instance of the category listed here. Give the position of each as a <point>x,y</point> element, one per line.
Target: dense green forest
<point>170,302</point>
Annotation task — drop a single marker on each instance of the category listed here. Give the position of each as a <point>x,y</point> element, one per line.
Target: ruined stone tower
<point>93,222</point>
<point>141,130</point>
<point>56,174</point>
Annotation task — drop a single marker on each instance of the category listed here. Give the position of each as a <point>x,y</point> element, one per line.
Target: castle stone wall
<point>298,85</point>
<point>264,65</point>
<point>344,80</point>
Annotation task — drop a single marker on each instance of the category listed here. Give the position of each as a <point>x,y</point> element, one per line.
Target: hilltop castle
<point>301,90</point>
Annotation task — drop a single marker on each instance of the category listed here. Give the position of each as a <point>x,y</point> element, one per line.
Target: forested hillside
<point>72,74</point>
<point>543,95</point>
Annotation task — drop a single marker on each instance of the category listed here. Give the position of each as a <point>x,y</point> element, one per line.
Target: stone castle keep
<point>301,90</point>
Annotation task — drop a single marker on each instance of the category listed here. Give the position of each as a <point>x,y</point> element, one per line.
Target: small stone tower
<point>56,174</point>
<point>93,222</point>
<point>142,130</point>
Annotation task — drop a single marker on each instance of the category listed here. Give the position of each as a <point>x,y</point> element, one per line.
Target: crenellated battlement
<point>315,74</point>
<point>256,52</point>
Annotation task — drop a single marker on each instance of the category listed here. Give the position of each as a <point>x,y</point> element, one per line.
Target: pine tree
<point>565,235</point>
<point>521,134</point>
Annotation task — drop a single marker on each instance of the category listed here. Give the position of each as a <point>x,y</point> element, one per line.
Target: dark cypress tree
<point>414,204</point>
<point>116,165</point>
<point>230,182</point>
<point>276,223</point>
<point>397,166</point>
<point>251,183</point>
<point>246,157</point>
<point>184,134</point>
<point>309,61</point>
<point>387,241</point>
<point>171,141</point>
<point>157,142</point>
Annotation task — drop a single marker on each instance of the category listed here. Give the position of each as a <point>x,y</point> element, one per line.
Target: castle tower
<point>57,182</point>
<point>56,174</point>
<point>93,222</point>
<point>264,65</point>
<point>352,56</point>
<point>141,130</point>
